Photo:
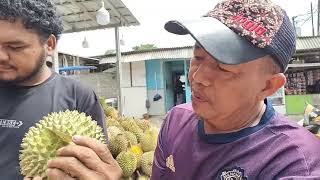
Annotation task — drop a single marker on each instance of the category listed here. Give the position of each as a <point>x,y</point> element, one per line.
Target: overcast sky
<point>152,15</point>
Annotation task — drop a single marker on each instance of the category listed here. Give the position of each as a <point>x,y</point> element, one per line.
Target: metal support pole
<point>55,61</point>
<point>312,20</point>
<point>294,24</point>
<point>119,70</point>
<point>318,24</point>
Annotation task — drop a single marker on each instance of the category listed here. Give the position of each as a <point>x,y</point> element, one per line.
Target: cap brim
<point>217,39</point>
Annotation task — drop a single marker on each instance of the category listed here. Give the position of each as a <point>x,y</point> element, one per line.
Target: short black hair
<point>39,15</point>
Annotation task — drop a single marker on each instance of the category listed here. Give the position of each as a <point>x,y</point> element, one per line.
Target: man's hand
<point>34,178</point>
<point>87,160</point>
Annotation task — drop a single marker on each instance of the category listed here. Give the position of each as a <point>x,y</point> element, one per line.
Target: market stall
<point>303,76</point>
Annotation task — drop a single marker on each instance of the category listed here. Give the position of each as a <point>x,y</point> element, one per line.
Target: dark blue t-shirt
<point>22,107</point>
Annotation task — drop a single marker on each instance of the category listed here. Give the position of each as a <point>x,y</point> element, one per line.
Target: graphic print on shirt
<point>6,123</point>
<point>235,173</point>
<point>170,163</point>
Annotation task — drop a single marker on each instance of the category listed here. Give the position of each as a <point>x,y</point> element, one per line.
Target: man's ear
<point>51,45</point>
<point>273,84</point>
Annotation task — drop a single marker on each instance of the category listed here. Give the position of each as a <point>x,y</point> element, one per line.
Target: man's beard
<point>38,68</point>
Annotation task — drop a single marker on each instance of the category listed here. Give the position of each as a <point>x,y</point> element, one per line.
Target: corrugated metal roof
<point>80,15</point>
<point>308,43</point>
<point>160,53</point>
<point>304,44</point>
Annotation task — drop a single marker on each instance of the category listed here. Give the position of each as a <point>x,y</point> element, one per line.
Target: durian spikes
<point>54,131</point>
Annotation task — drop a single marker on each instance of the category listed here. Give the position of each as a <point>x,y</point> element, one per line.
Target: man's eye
<point>197,58</point>
<point>16,47</point>
<point>222,69</point>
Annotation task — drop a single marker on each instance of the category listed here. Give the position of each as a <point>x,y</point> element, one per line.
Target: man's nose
<point>200,76</point>
<point>4,56</point>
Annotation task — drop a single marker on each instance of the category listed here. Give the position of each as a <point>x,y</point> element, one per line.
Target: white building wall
<point>139,74</point>
<point>134,101</point>
<point>134,94</point>
<point>125,81</point>
<point>156,107</point>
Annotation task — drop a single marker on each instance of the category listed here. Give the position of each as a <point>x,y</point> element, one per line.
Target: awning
<point>159,53</point>
<point>73,68</point>
<point>81,15</point>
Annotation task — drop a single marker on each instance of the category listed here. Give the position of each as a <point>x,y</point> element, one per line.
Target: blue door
<point>187,85</point>
<point>168,85</point>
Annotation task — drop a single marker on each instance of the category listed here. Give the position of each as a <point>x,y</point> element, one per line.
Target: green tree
<point>144,47</point>
<point>110,51</point>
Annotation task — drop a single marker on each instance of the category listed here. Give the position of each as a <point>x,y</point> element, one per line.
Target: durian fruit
<point>127,178</point>
<point>118,144</point>
<point>128,163</point>
<point>108,110</point>
<point>138,152</point>
<point>147,162</point>
<point>149,140</point>
<point>139,135</point>
<point>111,112</point>
<point>113,131</point>
<point>54,131</point>
<point>143,124</point>
<point>131,138</point>
<point>130,125</point>
<point>143,177</point>
<point>112,122</point>
<point>132,177</point>
<point>102,102</point>
<point>121,119</point>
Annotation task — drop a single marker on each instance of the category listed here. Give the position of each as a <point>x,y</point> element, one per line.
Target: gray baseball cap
<point>239,31</point>
<point>218,40</point>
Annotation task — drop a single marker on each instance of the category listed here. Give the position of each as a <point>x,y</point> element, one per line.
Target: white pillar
<point>119,71</point>
<point>55,61</point>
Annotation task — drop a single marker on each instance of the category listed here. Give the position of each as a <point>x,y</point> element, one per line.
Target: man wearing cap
<point>230,131</point>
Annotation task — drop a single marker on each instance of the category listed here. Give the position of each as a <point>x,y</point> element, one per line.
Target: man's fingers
<point>32,178</point>
<point>100,149</point>
<point>37,178</point>
<point>69,165</point>
<point>85,155</point>
<point>57,174</point>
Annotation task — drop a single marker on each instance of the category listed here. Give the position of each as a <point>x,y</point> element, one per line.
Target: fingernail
<point>76,138</point>
<point>59,150</point>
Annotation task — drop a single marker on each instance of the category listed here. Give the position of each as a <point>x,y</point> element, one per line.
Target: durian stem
<point>138,172</point>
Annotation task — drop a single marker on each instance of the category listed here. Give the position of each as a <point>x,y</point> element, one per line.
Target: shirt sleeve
<point>88,103</point>
<point>299,177</point>
<point>287,163</point>
<point>159,163</point>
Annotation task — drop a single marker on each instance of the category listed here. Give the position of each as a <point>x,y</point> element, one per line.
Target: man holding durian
<point>29,90</point>
<point>231,130</point>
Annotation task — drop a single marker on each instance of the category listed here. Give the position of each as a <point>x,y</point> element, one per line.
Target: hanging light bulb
<point>103,16</point>
<point>85,43</point>
<point>122,41</point>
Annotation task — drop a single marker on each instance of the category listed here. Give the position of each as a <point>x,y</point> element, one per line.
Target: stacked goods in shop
<point>296,83</point>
